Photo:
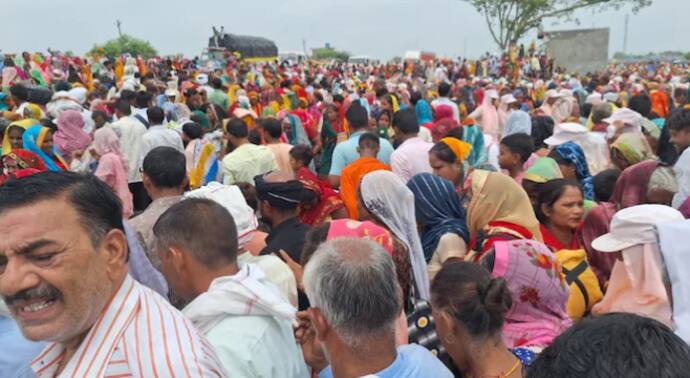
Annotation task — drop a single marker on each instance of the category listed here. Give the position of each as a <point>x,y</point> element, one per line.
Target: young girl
<point>320,203</point>
<point>383,125</point>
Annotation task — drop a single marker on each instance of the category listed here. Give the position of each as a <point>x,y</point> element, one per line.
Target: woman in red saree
<point>320,203</point>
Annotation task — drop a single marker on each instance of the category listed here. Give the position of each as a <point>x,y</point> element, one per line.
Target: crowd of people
<point>498,218</point>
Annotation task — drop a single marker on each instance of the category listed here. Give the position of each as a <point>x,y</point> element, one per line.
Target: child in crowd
<point>604,182</point>
<point>679,129</point>
<point>300,157</point>
<point>514,151</point>
<point>369,146</point>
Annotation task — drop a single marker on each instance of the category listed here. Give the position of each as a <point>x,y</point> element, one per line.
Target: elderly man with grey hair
<point>355,299</point>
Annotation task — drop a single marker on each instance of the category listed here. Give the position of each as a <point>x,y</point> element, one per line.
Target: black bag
<point>421,330</point>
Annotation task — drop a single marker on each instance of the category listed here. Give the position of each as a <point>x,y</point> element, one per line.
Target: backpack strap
<point>573,276</point>
<point>142,120</point>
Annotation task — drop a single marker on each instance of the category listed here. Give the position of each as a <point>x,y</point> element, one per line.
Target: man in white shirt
<point>242,314</point>
<point>158,135</point>
<point>140,111</point>
<point>131,132</point>
<point>444,93</point>
<point>412,155</point>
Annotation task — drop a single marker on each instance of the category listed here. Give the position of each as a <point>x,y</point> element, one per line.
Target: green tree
<point>329,53</point>
<point>125,44</point>
<point>509,20</point>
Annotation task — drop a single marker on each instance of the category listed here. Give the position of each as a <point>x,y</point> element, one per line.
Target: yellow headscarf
<point>35,111</point>
<point>497,197</point>
<point>24,124</point>
<point>119,69</point>
<point>460,149</point>
<point>232,93</point>
<point>395,104</point>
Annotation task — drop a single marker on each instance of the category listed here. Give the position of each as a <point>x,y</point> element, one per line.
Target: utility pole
<point>464,48</point>
<point>118,23</point>
<point>625,34</point>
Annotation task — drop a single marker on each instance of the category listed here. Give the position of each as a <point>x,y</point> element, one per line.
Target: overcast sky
<point>378,28</point>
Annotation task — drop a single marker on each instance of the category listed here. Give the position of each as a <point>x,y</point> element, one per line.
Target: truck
<point>248,48</point>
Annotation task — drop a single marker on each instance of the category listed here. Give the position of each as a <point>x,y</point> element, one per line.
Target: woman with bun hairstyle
<point>540,293</point>
<point>468,307</point>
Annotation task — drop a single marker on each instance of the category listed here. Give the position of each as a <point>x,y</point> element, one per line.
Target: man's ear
<point>178,259</point>
<point>114,246</point>
<point>319,323</point>
<point>146,180</point>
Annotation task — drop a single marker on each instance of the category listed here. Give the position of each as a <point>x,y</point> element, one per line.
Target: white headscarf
<point>231,198</point>
<point>518,122</point>
<point>387,197</point>
<point>673,238</point>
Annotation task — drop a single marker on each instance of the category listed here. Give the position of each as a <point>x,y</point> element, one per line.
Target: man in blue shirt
<point>356,301</point>
<point>346,152</point>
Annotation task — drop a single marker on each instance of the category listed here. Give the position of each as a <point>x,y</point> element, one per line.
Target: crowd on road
<point>476,218</point>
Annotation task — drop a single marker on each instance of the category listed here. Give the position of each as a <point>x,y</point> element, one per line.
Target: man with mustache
<point>64,277</point>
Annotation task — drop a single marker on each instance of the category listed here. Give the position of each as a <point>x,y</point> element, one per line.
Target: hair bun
<point>496,298</point>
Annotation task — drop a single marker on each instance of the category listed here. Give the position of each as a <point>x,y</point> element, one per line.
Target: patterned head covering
<point>438,210</point>
<point>573,154</point>
<point>539,292</point>
<point>633,147</point>
<point>496,197</point>
<point>544,169</point>
<point>24,160</point>
<point>348,228</point>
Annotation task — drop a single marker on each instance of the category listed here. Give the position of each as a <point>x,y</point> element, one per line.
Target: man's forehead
<point>25,223</point>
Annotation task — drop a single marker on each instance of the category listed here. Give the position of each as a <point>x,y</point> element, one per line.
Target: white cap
<point>241,113</point>
<point>492,94</point>
<point>635,225</point>
<point>611,97</point>
<point>565,132</point>
<point>552,93</point>
<point>627,116</point>
<point>231,198</point>
<point>508,99</point>
<point>594,98</point>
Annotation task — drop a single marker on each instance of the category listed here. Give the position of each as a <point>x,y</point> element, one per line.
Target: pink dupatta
<point>70,136</point>
<point>539,291</point>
